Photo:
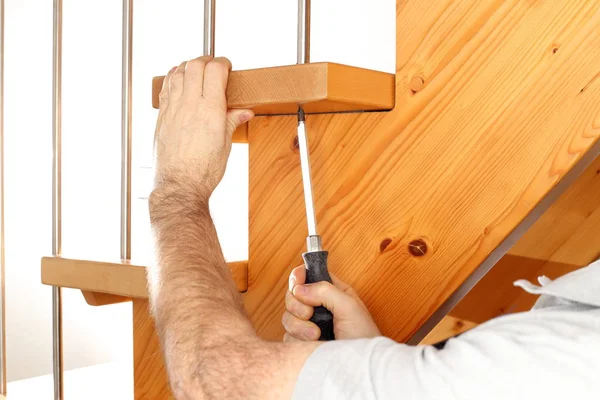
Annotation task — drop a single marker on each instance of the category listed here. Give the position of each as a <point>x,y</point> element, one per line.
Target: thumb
<point>237,117</point>
<point>324,294</point>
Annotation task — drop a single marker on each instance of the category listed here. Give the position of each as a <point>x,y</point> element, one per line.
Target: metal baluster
<point>57,350</point>
<point>303,46</point>
<point>126,129</point>
<point>2,254</point>
<point>209,27</point>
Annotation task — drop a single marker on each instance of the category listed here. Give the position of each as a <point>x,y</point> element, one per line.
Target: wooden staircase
<point>486,158</point>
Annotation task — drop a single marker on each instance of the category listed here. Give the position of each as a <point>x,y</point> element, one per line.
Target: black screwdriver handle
<point>315,263</point>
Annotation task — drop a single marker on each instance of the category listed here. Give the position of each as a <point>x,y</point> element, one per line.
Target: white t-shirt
<point>550,352</point>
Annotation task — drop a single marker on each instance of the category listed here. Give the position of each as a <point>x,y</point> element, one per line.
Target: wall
<point>251,33</point>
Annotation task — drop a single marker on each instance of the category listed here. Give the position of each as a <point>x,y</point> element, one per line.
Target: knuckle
<point>180,70</point>
<point>163,99</point>
<point>285,319</point>
<point>196,64</point>
<point>300,310</point>
<point>288,301</point>
<point>290,323</point>
<point>305,312</point>
<point>223,61</point>
<point>176,78</point>
<point>323,287</point>
<point>218,66</point>
<point>212,67</point>
<point>350,290</point>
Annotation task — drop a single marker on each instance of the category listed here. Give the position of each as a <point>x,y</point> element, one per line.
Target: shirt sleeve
<point>536,355</point>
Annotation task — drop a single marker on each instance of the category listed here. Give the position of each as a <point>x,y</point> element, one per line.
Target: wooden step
<point>112,282</point>
<point>319,88</point>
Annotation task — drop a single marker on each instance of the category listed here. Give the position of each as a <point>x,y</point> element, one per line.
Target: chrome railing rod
<point>126,87</point>
<point>57,348</point>
<point>2,249</point>
<point>303,38</point>
<point>209,27</point>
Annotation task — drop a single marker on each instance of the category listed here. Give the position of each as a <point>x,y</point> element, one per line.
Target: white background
<point>251,33</point>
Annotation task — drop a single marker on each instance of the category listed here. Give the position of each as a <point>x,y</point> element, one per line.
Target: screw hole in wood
<point>418,248</point>
<point>384,244</point>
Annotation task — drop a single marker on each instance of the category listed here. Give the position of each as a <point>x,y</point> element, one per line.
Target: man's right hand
<point>351,319</point>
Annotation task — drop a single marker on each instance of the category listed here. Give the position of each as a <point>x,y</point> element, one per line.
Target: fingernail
<point>245,117</point>
<point>311,333</point>
<point>172,70</point>
<point>292,283</point>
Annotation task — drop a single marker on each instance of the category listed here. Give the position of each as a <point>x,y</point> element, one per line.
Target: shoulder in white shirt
<point>550,352</point>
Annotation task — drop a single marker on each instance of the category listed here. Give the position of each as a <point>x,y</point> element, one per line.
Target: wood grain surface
<point>495,295</point>
<point>448,327</point>
<point>565,238</point>
<point>509,101</point>
<point>98,299</point>
<point>569,232</point>
<point>319,87</point>
<point>149,374</point>
<point>113,278</point>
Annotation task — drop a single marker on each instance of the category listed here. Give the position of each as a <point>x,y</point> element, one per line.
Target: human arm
<point>209,345</point>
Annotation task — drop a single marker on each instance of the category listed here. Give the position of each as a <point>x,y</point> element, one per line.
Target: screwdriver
<point>315,258</point>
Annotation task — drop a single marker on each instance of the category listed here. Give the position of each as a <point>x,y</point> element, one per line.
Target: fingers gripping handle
<point>315,263</point>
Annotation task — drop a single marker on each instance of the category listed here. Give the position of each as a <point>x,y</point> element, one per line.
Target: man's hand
<point>194,128</point>
<point>351,319</point>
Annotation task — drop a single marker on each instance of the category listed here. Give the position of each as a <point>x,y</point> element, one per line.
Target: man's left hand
<point>194,128</point>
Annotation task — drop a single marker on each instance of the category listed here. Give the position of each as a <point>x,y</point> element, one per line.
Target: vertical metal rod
<point>2,249</point>
<point>303,55</point>
<point>57,345</point>
<point>57,349</point>
<point>126,86</point>
<point>209,27</point>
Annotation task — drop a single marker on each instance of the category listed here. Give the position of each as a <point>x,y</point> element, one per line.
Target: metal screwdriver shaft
<point>315,258</point>
<point>313,242</point>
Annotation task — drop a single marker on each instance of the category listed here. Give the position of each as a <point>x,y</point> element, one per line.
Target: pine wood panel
<point>569,232</point>
<point>509,101</point>
<point>448,327</point>
<point>495,295</point>
<point>319,87</point>
<point>565,238</point>
<point>149,374</point>
<point>98,299</point>
<point>118,279</point>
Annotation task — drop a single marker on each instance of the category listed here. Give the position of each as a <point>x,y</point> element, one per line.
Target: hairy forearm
<point>197,308</point>
<point>209,345</point>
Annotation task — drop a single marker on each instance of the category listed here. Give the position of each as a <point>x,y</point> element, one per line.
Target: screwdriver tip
<point>301,116</point>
